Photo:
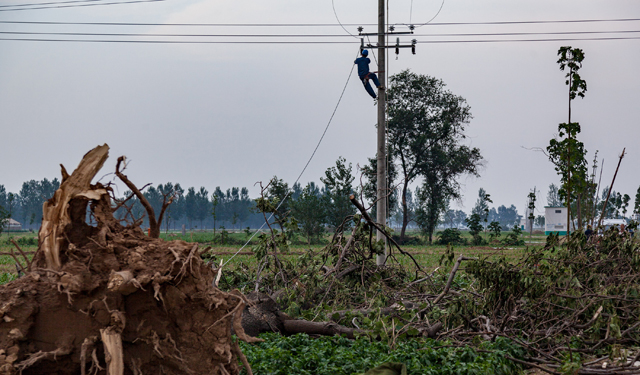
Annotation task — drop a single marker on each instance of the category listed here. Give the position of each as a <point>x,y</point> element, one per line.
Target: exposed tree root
<point>110,295</point>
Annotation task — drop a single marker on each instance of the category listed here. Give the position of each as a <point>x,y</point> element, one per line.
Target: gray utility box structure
<point>555,219</point>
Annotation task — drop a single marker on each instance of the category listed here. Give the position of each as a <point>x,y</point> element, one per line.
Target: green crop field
<point>428,256</point>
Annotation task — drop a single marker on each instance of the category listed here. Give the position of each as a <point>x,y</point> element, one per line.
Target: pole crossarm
<point>387,33</point>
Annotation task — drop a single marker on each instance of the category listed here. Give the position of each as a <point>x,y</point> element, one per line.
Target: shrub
<point>450,236</point>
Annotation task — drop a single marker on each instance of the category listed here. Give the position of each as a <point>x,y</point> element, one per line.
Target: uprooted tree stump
<point>107,299</point>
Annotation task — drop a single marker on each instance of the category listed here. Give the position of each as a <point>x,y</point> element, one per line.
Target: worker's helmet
<point>365,52</point>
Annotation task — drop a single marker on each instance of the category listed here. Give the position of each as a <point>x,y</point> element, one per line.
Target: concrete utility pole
<point>381,205</point>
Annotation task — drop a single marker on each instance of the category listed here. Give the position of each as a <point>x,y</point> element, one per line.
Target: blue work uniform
<point>365,75</point>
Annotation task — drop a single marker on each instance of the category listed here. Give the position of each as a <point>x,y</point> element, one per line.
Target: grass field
<point>427,256</point>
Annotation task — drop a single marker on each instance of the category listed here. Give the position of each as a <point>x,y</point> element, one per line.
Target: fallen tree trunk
<point>292,327</point>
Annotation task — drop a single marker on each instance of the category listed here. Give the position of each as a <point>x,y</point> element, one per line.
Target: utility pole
<point>381,205</point>
<point>381,155</point>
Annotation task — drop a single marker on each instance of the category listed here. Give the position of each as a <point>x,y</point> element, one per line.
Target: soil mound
<point>108,299</point>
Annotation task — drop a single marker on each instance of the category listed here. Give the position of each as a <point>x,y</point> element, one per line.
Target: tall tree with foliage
<point>338,183</point>
<point>426,124</point>
<point>4,218</point>
<point>190,206</point>
<point>553,197</point>
<point>277,193</point>
<point>309,211</point>
<point>202,205</point>
<point>568,154</point>
<point>448,161</point>
<point>482,205</point>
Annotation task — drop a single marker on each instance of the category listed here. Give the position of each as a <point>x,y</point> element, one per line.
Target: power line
<point>49,3</point>
<point>312,35</point>
<point>82,5</point>
<point>337,19</point>
<point>309,24</point>
<point>170,41</point>
<point>526,40</point>
<point>434,17</point>
<point>524,22</point>
<point>309,42</point>
<point>305,166</point>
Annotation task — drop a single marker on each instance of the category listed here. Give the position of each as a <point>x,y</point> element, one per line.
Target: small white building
<point>13,226</point>
<point>555,219</point>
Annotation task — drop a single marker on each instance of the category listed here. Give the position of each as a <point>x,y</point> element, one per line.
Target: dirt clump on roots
<point>108,299</point>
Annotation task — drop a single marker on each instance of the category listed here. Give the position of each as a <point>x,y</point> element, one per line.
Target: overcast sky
<point>234,114</point>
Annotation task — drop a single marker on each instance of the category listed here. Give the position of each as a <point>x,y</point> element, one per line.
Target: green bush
<point>513,238</point>
<point>450,236</point>
<point>301,354</point>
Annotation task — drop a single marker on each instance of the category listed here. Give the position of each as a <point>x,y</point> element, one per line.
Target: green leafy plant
<point>451,236</point>
<point>514,237</point>
<point>301,354</point>
<point>494,230</point>
<point>473,222</point>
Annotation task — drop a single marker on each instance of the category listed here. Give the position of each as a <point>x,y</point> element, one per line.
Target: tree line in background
<point>426,135</point>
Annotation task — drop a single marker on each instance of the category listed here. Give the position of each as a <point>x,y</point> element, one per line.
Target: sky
<point>233,114</point>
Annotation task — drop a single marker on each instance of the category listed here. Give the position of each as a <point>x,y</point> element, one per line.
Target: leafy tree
<point>218,205</point>
<point>190,206</point>
<point>4,218</point>
<point>448,161</point>
<point>455,218</point>
<point>473,222</point>
<point>31,197</point>
<point>450,236</point>
<point>6,200</point>
<point>610,209</point>
<point>296,191</point>
<point>426,125</point>
<point>338,182</point>
<point>277,193</point>
<point>553,197</point>
<point>215,201</point>
<point>237,204</point>
<point>625,204</point>
<point>309,211</point>
<point>494,230</point>
<point>202,205</point>
<point>482,205</point>
<point>568,154</point>
<point>3,196</point>
<point>513,238</point>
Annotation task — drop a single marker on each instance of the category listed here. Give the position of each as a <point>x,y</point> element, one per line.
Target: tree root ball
<point>107,299</point>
